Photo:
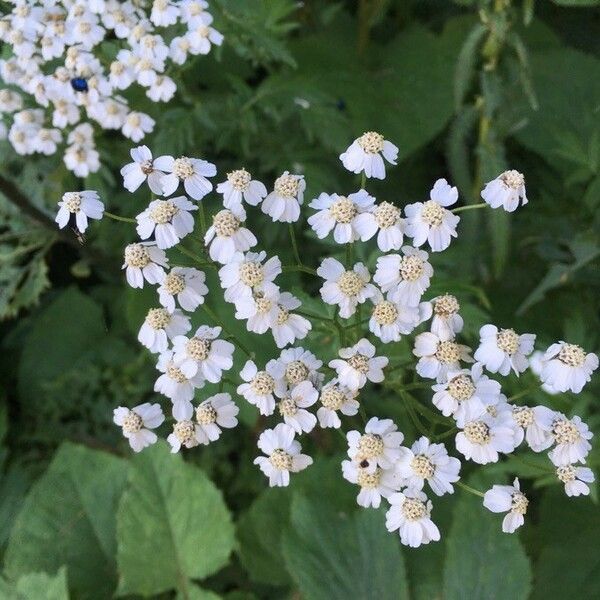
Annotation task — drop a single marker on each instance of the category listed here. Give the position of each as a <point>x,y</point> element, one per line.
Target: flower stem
<point>211,313</point>
<point>119,218</point>
<point>195,257</point>
<point>363,181</point>
<point>302,268</point>
<point>202,220</point>
<point>469,489</point>
<point>294,244</point>
<point>469,207</point>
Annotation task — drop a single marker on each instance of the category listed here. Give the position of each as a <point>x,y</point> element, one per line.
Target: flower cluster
<point>300,391</point>
<point>72,60</point>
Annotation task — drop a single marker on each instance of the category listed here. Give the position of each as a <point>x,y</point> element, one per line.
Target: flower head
<point>506,191</point>
<point>410,514</point>
<point>78,207</point>
<point>187,285</point>
<point>283,203</point>
<point>358,364</point>
<point>192,172</point>
<point>366,154</point>
<point>509,499</point>
<point>502,350</point>
<point>141,169</point>
<point>137,423</point>
<point>169,221</point>
<point>567,367</point>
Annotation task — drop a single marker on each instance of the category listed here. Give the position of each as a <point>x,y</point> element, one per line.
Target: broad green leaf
<point>482,563</point>
<point>13,485</point>
<point>68,518</point>
<point>332,555</point>
<point>34,586</point>
<point>193,592</point>
<point>172,525</point>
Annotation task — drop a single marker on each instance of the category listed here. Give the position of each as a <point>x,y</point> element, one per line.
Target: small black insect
<point>79,84</point>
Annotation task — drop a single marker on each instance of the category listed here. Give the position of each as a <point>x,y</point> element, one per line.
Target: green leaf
<point>482,563</point>
<point>465,64</point>
<point>197,593</point>
<point>68,518</point>
<point>35,586</point>
<point>172,525</point>
<point>333,556</point>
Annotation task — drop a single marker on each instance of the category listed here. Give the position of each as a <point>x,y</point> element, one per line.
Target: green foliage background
<point>465,89</point>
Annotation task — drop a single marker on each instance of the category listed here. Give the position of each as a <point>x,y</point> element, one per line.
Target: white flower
<point>575,479</point>
<point>283,203</point>
<point>185,283</point>
<point>465,394</point>
<point>567,367</point>
<point>502,350</point>
<point>536,364</point>
<point>137,125</point>
<point>570,436</point>
<point>201,35</point>
<point>225,236</point>
<point>240,186</point>
<point>137,422</point>
<point>410,513</point>
<point>164,13</point>
<point>159,326</point>
<point>359,364</point>
<point>283,455</point>
<point>390,320</point>
<point>142,168</point>
<point>366,154</point>
<point>289,326</point>
<point>506,191</point>
<point>428,462</point>
<point>407,276</point>
<point>247,273</point>
<point>438,357</point>
<point>214,413</point>
<point>192,171</point>
<point>81,160</point>
<point>82,205</point>
<point>446,322</point>
<point>176,385</point>
<point>144,261</point>
<point>431,221</point>
<point>379,446</point>
<point>333,398</point>
<point>169,220</point>
<point>292,407</point>
<point>298,365</point>
<point>384,219</point>
<point>185,433</point>
<point>482,438</point>
<point>261,386</point>
<point>340,214</point>
<point>261,309</point>
<point>203,353</point>
<point>534,425</point>
<point>508,499</point>
<point>344,288</point>
<point>374,485</point>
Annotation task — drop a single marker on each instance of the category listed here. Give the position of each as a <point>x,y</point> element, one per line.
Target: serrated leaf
<point>172,525</point>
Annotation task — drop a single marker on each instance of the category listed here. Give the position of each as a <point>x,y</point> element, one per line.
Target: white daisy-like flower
<point>385,220</point>
<point>366,154</point>
<point>262,386</point>
<point>567,367</point>
<point>185,433</point>
<point>446,322</point>
<point>218,411</point>
<point>201,35</point>
<point>374,485</point>
<point>169,221</point>
<point>333,398</point>
<point>203,353</point>
<point>193,172</point>
<point>300,365</point>
<point>379,446</point>
<point>137,423</point>
<point>502,350</point>
<point>159,326</point>
<point>82,206</point>
<point>240,186</point>
<point>137,125</point>
<point>345,289</point>
<point>466,393</point>
<point>536,364</point>
<point>187,285</point>
<point>575,479</point>
<point>340,214</point>
<point>226,236</point>
<point>410,514</point>
<point>439,357</point>
<point>141,169</point>
<point>261,309</point>
<point>176,385</point>
<point>506,191</point>
<point>246,273</point>
<point>283,455</point>
<point>483,438</point>
<point>358,364</point>
<point>144,261</point>
<point>509,499</point>
<point>391,320</point>
<point>570,437</point>
<point>406,276</point>
<point>428,462</point>
<point>431,221</point>
<point>534,426</point>
<point>164,13</point>
<point>289,326</point>
<point>283,203</point>
<point>292,407</point>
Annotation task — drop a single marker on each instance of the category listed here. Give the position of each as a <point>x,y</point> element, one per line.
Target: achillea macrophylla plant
<point>298,391</point>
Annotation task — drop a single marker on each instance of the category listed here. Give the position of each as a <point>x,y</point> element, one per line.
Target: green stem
<point>524,393</point>
<point>294,244</point>
<point>348,256</point>
<point>202,221</point>
<point>469,207</point>
<point>211,313</point>
<point>311,316</point>
<point>119,218</point>
<point>443,436</point>
<point>301,268</point>
<point>363,181</point>
<point>469,489</point>
<point>195,257</point>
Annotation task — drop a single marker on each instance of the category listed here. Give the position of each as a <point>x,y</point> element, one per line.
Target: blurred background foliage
<point>466,89</point>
